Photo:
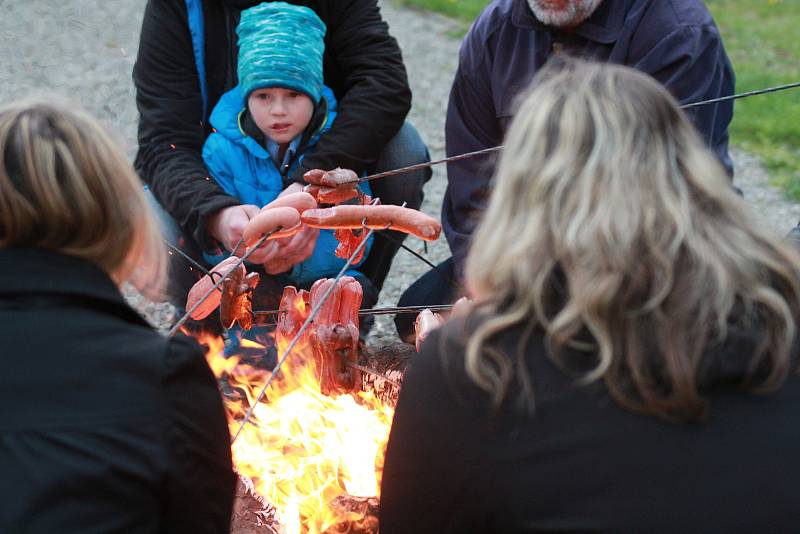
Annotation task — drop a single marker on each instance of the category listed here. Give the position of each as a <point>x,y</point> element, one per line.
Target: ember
<point>304,451</point>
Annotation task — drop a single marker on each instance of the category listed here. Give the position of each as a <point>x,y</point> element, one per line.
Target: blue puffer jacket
<point>246,170</point>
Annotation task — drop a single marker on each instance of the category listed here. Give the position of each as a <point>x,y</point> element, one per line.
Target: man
<point>675,41</point>
<point>187,60</point>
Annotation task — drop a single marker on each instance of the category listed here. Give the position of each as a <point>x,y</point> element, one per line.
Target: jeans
<point>793,237</point>
<point>406,148</point>
<point>437,286</point>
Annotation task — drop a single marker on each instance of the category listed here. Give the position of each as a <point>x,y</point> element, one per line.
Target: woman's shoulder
<point>441,364</point>
<point>520,350</point>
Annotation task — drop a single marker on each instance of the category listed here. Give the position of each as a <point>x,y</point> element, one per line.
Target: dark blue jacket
<point>675,41</point>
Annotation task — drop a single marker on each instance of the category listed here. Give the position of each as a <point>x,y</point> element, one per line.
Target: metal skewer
<point>192,261</point>
<point>465,155</point>
<point>747,94</point>
<point>296,338</point>
<point>391,310</point>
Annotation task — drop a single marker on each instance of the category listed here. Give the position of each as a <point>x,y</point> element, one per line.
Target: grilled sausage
<point>236,304</point>
<point>284,219</point>
<point>333,178</point>
<point>331,195</point>
<point>426,322</point>
<point>378,217</point>
<point>301,201</point>
<point>202,286</point>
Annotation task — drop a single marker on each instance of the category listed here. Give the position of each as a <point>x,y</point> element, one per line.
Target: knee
<point>405,148</point>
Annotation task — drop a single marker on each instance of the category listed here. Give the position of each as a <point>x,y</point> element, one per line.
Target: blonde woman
<point>629,364</point>
<point>106,425</point>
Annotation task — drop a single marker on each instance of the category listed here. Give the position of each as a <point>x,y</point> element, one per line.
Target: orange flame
<point>300,448</point>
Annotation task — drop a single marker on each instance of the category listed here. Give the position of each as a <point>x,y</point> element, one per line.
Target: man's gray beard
<point>576,12</point>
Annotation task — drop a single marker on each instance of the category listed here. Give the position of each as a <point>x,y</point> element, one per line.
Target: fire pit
<point>309,462</point>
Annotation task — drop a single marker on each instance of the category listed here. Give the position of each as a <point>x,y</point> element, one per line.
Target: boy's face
<point>282,114</point>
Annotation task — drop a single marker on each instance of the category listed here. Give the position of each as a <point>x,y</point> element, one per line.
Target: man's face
<point>563,13</point>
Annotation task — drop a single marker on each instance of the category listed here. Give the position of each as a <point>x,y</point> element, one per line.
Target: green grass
<point>761,38</point>
<point>462,10</point>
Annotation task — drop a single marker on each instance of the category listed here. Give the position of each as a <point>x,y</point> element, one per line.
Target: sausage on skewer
<point>331,195</point>
<point>334,178</point>
<point>301,201</point>
<point>397,218</point>
<point>204,285</point>
<point>284,219</point>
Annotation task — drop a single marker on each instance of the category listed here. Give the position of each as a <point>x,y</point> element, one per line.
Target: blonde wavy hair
<point>67,187</point>
<point>611,229</point>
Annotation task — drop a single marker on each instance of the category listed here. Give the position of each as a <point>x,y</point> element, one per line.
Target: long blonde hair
<point>67,187</point>
<point>611,223</point>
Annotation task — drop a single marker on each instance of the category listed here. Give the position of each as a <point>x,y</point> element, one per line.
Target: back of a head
<point>66,186</point>
<point>609,216</point>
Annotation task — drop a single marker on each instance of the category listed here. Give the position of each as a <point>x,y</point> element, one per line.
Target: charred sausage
<point>333,178</point>
<point>237,303</point>
<point>204,285</point>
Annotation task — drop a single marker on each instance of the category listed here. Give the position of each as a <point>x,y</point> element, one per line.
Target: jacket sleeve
<point>171,130</point>
<point>376,97</point>
<point>471,124</point>
<point>691,62</point>
<point>215,154</point>
<point>200,483</point>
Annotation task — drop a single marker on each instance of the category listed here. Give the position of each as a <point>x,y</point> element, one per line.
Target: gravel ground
<point>84,50</point>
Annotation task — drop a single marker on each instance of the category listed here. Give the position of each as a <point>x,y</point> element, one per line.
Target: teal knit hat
<point>280,45</point>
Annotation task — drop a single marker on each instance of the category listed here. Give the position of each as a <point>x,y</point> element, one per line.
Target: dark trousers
<point>406,148</point>
<point>437,286</point>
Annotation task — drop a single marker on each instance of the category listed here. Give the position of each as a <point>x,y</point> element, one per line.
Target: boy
<point>264,126</point>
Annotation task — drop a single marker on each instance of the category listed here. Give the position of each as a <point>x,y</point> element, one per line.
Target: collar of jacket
<point>604,26</point>
<point>31,272</point>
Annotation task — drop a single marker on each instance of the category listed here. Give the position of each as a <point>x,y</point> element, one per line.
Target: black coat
<point>362,64</point>
<point>582,463</point>
<point>105,425</point>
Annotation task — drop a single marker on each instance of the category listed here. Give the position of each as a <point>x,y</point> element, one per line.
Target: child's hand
<point>283,254</point>
<point>294,187</point>
<point>227,225</point>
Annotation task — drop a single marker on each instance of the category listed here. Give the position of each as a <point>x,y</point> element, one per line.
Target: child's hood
<point>227,114</point>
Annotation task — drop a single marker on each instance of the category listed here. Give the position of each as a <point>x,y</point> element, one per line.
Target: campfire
<point>310,441</point>
<point>314,446</point>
